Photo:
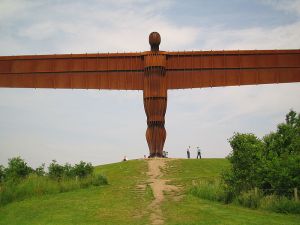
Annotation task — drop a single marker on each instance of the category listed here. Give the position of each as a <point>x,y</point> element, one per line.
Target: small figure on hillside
<point>125,158</point>
<point>145,157</point>
<point>188,152</point>
<point>198,153</point>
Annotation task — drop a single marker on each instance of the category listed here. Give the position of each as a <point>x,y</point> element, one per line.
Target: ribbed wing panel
<point>120,71</point>
<point>231,68</point>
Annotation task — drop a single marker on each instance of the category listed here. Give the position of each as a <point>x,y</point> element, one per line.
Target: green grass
<point>116,203</point>
<point>120,203</point>
<point>192,210</point>
<point>34,185</point>
<point>188,171</point>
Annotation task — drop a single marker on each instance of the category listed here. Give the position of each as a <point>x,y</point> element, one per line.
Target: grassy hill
<point>123,202</point>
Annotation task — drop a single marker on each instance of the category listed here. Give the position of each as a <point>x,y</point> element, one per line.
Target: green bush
<point>17,169</point>
<point>83,169</point>
<point>55,170</point>
<point>68,170</point>
<point>80,170</point>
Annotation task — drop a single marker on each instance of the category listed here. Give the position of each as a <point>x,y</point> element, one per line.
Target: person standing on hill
<point>188,152</point>
<point>198,153</point>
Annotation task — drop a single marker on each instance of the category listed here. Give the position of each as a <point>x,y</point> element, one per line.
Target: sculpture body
<point>155,72</point>
<point>155,96</point>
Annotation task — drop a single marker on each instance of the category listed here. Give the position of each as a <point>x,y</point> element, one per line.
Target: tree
<point>245,160</point>
<point>69,170</point>
<point>17,168</point>
<point>282,156</point>
<point>271,164</point>
<point>83,169</point>
<point>55,170</point>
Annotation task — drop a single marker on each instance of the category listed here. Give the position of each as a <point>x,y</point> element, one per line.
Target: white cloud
<point>290,6</point>
<point>115,26</point>
<point>280,37</point>
<point>9,9</point>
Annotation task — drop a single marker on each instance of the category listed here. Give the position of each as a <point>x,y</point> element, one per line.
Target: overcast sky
<point>103,126</point>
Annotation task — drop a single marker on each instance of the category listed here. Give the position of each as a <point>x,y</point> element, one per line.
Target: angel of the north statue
<point>155,72</point>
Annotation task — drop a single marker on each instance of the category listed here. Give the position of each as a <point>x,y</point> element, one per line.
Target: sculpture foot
<point>156,155</point>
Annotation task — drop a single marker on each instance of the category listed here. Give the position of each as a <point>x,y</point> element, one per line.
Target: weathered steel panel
<point>230,77</point>
<point>87,71</point>
<point>230,68</point>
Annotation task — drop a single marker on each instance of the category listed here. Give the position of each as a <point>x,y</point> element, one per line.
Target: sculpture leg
<point>156,133</point>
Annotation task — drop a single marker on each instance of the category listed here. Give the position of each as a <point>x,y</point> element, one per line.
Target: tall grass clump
<point>99,180</point>
<point>215,191</point>
<point>280,204</point>
<point>210,190</point>
<point>17,185</point>
<point>249,199</point>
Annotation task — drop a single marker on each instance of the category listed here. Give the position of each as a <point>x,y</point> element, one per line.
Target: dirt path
<point>158,186</point>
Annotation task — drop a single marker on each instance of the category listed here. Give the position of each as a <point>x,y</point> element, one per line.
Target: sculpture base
<point>156,155</point>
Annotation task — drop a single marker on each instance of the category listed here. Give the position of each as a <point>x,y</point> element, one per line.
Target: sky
<point>101,127</point>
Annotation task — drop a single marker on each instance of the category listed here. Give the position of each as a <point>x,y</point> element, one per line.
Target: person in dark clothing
<point>188,152</point>
<point>198,153</point>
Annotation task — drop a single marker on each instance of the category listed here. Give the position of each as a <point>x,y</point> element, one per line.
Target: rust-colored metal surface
<point>155,96</point>
<point>154,72</point>
<point>122,71</point>
<point>231,68</point>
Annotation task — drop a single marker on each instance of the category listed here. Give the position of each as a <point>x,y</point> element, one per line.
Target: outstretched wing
<point>120,71</point>
<point>230,68</point>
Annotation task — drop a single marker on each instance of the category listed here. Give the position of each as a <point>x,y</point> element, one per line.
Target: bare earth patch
<point>159,187</point>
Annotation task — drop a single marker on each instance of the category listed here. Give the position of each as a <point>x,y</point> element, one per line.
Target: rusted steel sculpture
<point>154,72</point>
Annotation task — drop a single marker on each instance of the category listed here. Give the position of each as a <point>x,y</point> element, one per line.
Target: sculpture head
<point>154,41</point>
